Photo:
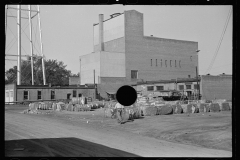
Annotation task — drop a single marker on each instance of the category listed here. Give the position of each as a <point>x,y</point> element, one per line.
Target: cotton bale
<point>230,105</point>
<point>214,107</point>
<point>177,109</point>
<point>196,109</point>
<point>184,107</point>
<point>165,109</point>
<point>225,106</point>
<point>54,106</point>
<point>150,111</point>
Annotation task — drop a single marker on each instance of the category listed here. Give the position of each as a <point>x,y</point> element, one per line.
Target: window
<point>181,87</point>
<point>39,94</point>
<point>166,63</point>
<point>188,87</point>
<point>156,62</point>
<point>160,88</point>
<point>149,88</point>
<point>170,63</point>
<point>25,95</point>
<point>134,74</point>
<point>52,94</point>
<point>175,63</point>
<point>195,86</point>
<point>189,76</point>
<point>180,64</point>
<point>151,62</point>
<point>74,93</point>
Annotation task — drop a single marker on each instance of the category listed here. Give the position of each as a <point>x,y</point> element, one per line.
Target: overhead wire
<point>220,41</point>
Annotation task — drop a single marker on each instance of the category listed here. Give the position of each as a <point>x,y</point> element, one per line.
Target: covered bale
<point>225,106</point>
<point>196,109</point>
<point>202,107</point>
<point>191,108</point>
<point>59,108</point>
<point>150,111</point>
<point>177,109</point>
<point>110,113</point>
<point>54,106</point>
<point>214,107</point>
<point>184,107</point>
<point>69,107</point>
<point>165,110</point>
<point>33,106</point>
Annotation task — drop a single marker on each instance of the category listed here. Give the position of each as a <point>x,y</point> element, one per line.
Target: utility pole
<point>80,73</point>
<point>40,35</point>
<point>31,45</point>
<point>19,45</point>
<point>198,92</point>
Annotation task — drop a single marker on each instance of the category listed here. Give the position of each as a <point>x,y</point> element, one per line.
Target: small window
<point>156,62</point>
<point>39,94</point>
<point>149,88</point>
<point>189,76</point>
<point>180,64</point>
<point>166,63</point>
<point>25,95</point>
<point>74,93</point>
<point>181,87</point>
<point>52,94</point>
<point>160,88</point>
<point>134,74</point>
<point>175,63</point>
<point>195,86</point>
<point>188,87</point>
<point>170,63</point>
<point>151,62</point>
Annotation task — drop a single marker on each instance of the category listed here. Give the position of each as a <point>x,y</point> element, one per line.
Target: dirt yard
<point>89,134</point>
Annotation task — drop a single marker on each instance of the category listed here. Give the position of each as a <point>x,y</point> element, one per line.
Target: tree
<point>56,73</point>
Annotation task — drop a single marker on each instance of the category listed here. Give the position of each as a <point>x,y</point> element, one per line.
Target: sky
<point>67,31</point>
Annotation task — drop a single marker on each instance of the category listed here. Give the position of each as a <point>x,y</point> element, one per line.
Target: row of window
<point>39,94</point>
<point>180,87</point>
<point>170,63</point>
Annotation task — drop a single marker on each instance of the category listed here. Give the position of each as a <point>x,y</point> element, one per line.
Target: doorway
<point>68,95</point>
<point>79,95</point>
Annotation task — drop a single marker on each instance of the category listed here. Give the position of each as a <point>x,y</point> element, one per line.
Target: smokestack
<point>101,32</point>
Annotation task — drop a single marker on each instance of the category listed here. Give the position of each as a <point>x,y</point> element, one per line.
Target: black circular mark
<point>190,1</point>
<point>126,95</point>
<point>219,1</point>
<point>161,1</point>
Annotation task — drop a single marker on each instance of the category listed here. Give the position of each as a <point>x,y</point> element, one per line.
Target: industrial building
<point>124,55</point>
<point>21,93</point>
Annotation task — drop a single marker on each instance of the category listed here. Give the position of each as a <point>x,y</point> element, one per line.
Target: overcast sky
<point>67,31</point>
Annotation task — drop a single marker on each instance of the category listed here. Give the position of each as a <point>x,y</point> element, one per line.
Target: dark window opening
<point>166,63</point>
<point>25,95</point>
<point>160,88</point>
<point>74,93</point>
<point>69,96</point>
<point>170,63</point>
<point>149,88</point>
<point>39,94</point>
<point>188,87</point>
<point>189,76</point>
<point>175,63</point>
<point>134,74</point>
<point>79,95</point>
<point>181,87</point>
<point>180,64</point>
<point>52,94</point>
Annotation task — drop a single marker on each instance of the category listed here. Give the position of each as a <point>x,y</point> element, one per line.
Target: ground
<point>84,134</point>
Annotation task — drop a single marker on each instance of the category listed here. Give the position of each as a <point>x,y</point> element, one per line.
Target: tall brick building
<point>124,55</point>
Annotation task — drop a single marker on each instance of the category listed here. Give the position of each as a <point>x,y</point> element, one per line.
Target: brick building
<point>124,55</point>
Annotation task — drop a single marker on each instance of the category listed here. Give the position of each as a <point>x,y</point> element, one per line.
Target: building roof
<point>178,80</point>
<point>54,87</point>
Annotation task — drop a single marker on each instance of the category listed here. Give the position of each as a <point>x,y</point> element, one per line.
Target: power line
<point>219,44</point>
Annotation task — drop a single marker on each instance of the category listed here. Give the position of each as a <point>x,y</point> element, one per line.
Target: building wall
<point>59,93</point>
<point>219,87</point>
<point>112,29</point>
<point>112,64</point>
<point>89,63</point>
<point>116,45</point>
<point>10,92</point>
<point>74,80</point>
<point>141,49</point>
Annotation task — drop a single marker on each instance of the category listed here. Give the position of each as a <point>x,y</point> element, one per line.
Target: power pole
<point>198,93</point>
<point>19,45</point>
<point>31,45</point>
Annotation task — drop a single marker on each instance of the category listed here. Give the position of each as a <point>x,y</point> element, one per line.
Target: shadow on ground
<point>60,147</point>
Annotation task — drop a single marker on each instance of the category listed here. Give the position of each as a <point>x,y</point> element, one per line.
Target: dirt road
<point>53,135</point>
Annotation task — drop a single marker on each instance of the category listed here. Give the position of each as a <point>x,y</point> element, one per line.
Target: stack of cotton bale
<point>33,106</point>
<point>224,106</point>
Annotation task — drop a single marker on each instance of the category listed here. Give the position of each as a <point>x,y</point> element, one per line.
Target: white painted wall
<point>112,29</point>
